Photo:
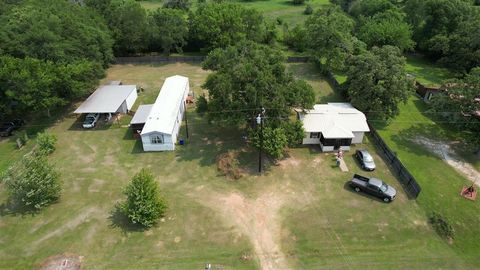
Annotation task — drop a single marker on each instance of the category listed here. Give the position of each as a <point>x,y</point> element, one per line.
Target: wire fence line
<point>159,59</point>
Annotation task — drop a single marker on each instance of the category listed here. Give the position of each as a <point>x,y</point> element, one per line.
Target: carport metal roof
<point>106,99</point>
<point>141,114</point>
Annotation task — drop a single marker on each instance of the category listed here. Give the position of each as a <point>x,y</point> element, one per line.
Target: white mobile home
<point>333,126</point>
<point>162,125</point>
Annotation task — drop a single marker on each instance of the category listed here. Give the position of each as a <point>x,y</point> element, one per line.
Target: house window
<point>314,135</point>
<point>156,139</point>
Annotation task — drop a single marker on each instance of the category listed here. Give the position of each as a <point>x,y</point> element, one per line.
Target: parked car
<point>373,186</point>
<point>90,120</point>
<point>18,123</point>
<point>365,159</point>
<point>6,129</point>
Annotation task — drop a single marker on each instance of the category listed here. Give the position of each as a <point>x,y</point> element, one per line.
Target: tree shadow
<point>11,208</point>
<point>207,141</point>
<point>119,220</point>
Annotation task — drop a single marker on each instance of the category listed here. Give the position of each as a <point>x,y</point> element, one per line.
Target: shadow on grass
<point>119,220</point>
<point>11,208</point>
<point>101,124</point>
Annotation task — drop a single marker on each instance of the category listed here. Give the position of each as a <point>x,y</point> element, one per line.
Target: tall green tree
<point>32,85</point>
<point>128,23</point>
<point>272,140</point>
<point>55,30</point>
<point>447,30</point>
<point>330,36</point>
<point>249,76</point>
<point>460,105</point>
<point>377,81</point>
<point>386,28</point>
<point>177,4</point>
<point>32,182</point>
<point>144,205</point>
<point>169,30</point>
<point>369,8</point>
<point>218,25</point>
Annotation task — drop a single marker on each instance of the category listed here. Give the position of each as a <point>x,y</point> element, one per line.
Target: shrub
<point>228,165</point>
<point>177,4</point>
<point>296,38</point>
<point>441,226</point>
<point>202,104</point>
<point>32,182</point>
<point>144,204</point>
<point>298,2</point>
<point>279,21</point>
<point>46,143</point>
<point>308,10</point>
<point>294,132</point>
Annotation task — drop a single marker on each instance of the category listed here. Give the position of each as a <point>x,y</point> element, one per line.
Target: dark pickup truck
<point>7,128</point>
<point>373,186</point>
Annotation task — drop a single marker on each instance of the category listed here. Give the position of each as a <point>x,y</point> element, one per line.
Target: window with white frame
<point>314,135</point>
<point>156,139</point>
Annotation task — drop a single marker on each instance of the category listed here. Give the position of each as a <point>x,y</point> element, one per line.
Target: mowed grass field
<point>298,214</point>
<point>441,184</point>
<point>284,10</point>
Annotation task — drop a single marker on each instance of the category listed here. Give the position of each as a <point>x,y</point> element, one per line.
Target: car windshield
<point>383,187</point>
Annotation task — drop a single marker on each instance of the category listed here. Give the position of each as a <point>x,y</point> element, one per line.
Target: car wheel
<point>357,189</point>
<point>386,199</point>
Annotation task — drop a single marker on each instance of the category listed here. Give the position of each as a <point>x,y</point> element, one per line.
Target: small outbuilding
<point>333,126</point>
<point>110,99</point>
<point>160,131</point>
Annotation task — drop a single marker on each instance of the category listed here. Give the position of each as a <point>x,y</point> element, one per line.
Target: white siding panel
<point>131,99</point>
<point>168,144</point>
<point>358,137</point>
<point>308,140</point>
<point>123,108</point>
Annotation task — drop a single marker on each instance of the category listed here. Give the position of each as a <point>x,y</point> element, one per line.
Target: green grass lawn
<point>440,183</point>
<point>427,72</point>
<point>271,9</point>
<point>320,224</point>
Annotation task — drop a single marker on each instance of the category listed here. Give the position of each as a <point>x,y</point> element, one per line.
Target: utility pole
<point>186,119</point>
<point>260,121</point>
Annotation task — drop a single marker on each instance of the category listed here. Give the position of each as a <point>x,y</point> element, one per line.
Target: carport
<point>110,99</point>
<point>140,118</point>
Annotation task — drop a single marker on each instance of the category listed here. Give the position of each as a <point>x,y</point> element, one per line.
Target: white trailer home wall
<point>160,132</point>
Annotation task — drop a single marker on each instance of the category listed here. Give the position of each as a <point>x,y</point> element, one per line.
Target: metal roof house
<point>110,99</point>
<point>333,126</point>
<point>162,123</point>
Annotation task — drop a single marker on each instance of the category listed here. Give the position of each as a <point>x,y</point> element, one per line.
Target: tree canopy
<point>447,30</point>
<point>56,30</point>
<point>377,81</point>
<point>169,30</point>
<point>460,104</point>
<point>386,28</point>
<point>330,36</point>
<point>218,25</point>
<point>249,76</point>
